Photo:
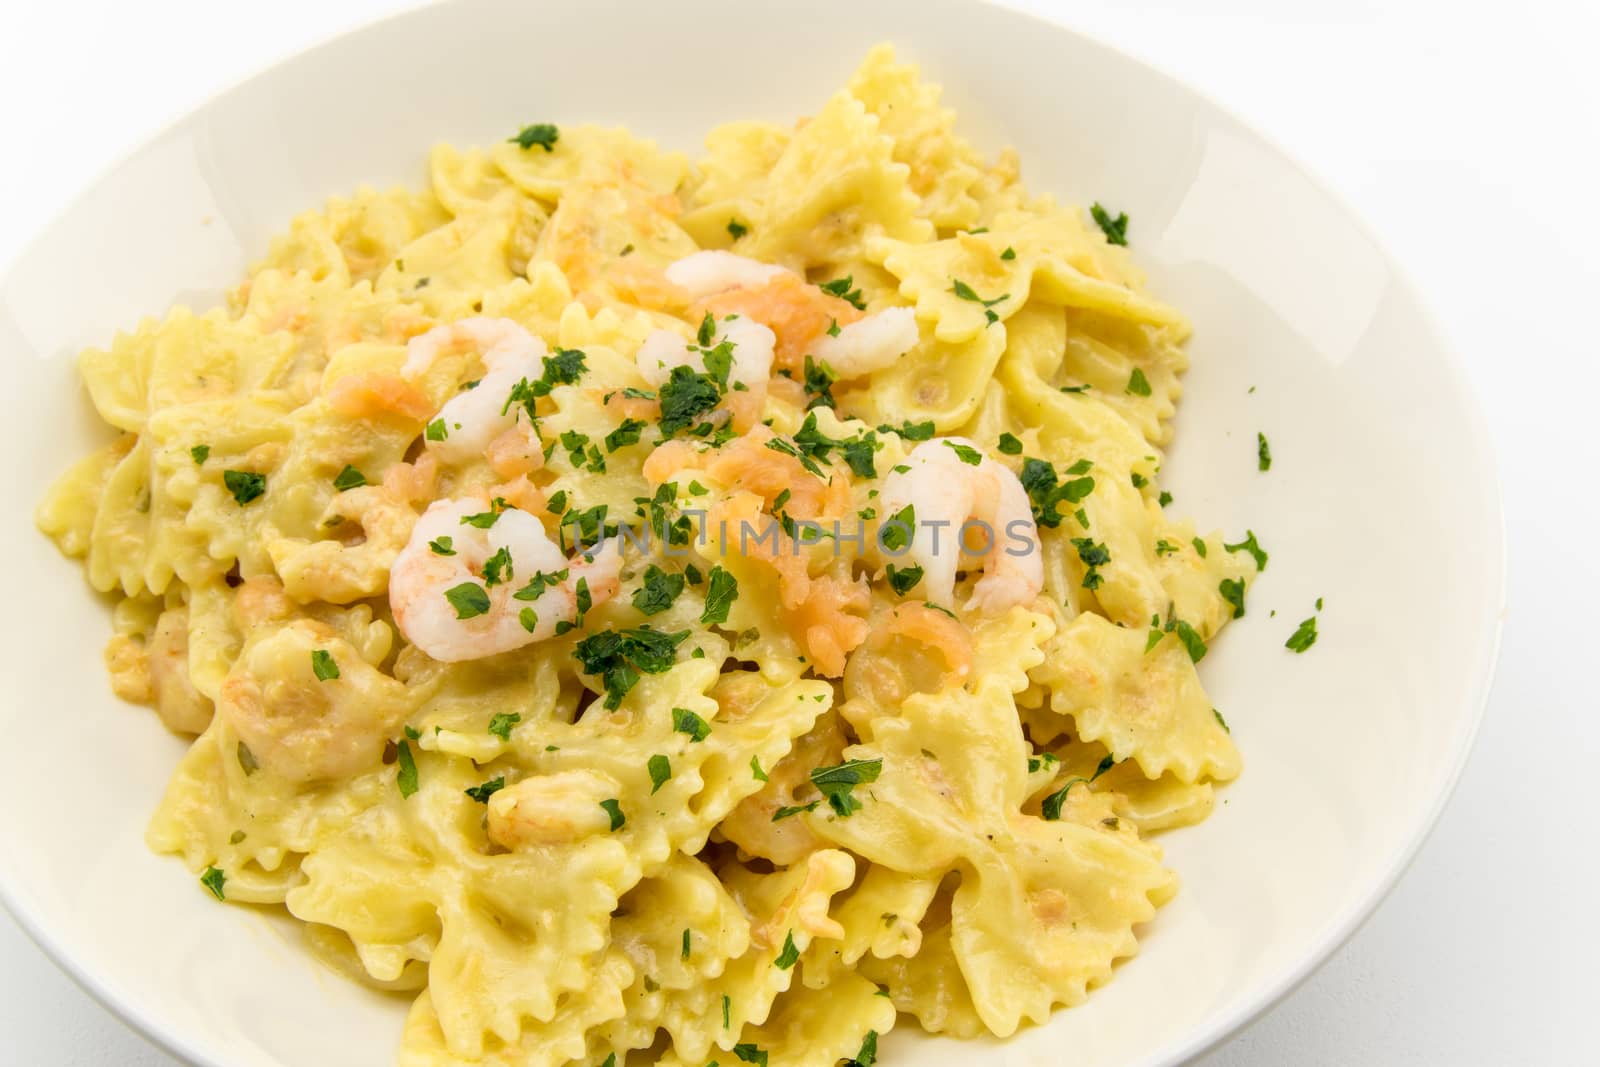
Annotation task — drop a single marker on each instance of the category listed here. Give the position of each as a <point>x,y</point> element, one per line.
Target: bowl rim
<point>1341,927</point>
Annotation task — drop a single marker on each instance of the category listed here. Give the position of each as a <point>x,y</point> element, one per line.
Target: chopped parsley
<point>1304,636</point>
<point>613,810</point>
<point>443,546</point>
<point>469,599</point>
<point>323,665</point>
<point>790,954</point>
<point>436,430</point>
<point>965,453</point>
<point>1050,807</point>
<point>658,592</point>
<point>840,287</point>
<point>818,384</point>
<point>1046,490</point>
<point>502,722</point>
<point>1233,592</point>
<point>897,531</point>
<point>199,453</point>
<point>482,793</point>
<point>247,759</point>
<point>1164,499</point>
<point>660,769</point>
<point>244,485</point>
<point>869,1049</point>
<point>498,568</point>
<point>543,134</point>
<point>737,229</point>
<point>1138,384</point>
<point>1192,642</point>
<point>406,777</point>
<point>911,431</point>
<point>751,1053</point>
<point>720,595</point>
<point>685,721</point>
<point>685,396</point>
<point>620,656</point>
<point>837,782</point>
<point>540,581</point>
<point>1221,721</point>
<point>903,579</point>
<point>1165,547</point>
<point>624,435</point>
<point>755,769</point>
<point>1263,453</point>
<point>1009,445</point>
<point>1093,555</point>
<point>214,880</point>
<point>687,944</point>
<point>482,520</point>
<point>966,292</point>
<point>349,479</point>
<point>1199,547</point>
<point>1009,254</point>
<point>1115,229</point>
<point>1249,545</point>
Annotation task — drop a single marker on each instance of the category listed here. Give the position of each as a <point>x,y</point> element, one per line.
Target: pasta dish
<point>705,612</point>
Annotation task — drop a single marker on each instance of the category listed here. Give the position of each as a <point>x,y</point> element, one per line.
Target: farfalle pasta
<point>689,611</point>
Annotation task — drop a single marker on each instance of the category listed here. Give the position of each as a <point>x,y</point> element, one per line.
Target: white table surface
<point>1469,136</point>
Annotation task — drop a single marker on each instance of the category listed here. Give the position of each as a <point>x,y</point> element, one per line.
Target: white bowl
<point>1381,498</point>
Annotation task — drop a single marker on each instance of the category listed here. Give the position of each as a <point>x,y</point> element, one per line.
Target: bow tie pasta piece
<point>929,986</point>
<point>788,910</point>
<point>613,238</point>
<point>964,284</point>
<point>1145,705</point>
<point>590,153</point>
<point>1042,923</point>
<point>936,381</point>
<point>446,269</point>
<point>834,186</point>
<point>642,966</point>
<point>353,240</point>
<point>1044,907</point>
<point>733,181</point>
<point>815,1028</point>
<point>1150,804</point>
<point>943,168</point>
<point>465,182</point>
<point>880,916</point>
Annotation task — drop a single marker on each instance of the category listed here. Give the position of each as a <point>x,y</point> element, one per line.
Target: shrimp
<point>948,493</point>
<point>705,274</point>
<point>801,315</point>
<point>181,706</point>
<point>871,344</point>
<point>473,419</point>
<point>752,345</point>
<point>304,727</point>
<point>552,809</point>
<point>443,601</point>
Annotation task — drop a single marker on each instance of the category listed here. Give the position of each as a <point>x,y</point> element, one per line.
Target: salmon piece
<point>519,492</point>
<point>668,458</point>
<point>794,309</point>
<point>824,624</point>
<point>375,395</point>
<point>413,482</point>
<point>937,631</point>
<point>515,453</point>
<point>747,463</point>
<point>646,286</point>
<point>629,407</point>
